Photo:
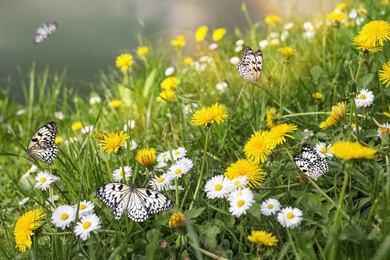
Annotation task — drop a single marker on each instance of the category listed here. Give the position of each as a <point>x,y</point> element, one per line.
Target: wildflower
<point>270,117</point>
<point>287,52</point>
<point>221,86</point>
<point>77,126</point>
<point>129,125</point>
<point>270,207</point>
<point>85,207</point>
<point>113,142</point>
<point>337,113</point>
<point>217,187</point>
<point>318,95</point>
<point>161,183</point>
<point>240,201</point>
<point>124,61</point>
<point>341,7</point>
<point>181,167</point>
<point>257,148</point>
<point>25,227</point>
<point>95,100</point>
<point>239,182</point>
<point>32,169</point>
<point>364,46</point>
<point>133,145</point>
<point>177,220</point>
<point>45,179</point>
<point>337,16</point>
<point>98,135</point>
<point>58,140</point>
<point>146,157</point>
<point>142,51</point>
<point>364,99</point>
<point>347,150</point>
<point>122,173</point>
<point>262,238</point>
<point>116,103</point>
<point>384,74</point>
<point>164,244</point>
<point>167,95</point>
<point>170,83</point>
<point>178,42</point>
<point>179,153</point>
<point>88,224</point>
<point>274,42</point>
<point>218,34</point>
<point>24,201</point>
<point>201,33</point>
<point>187,60</point>
<point>290,217</point>
<point>63,215</point>
<point>247,168</point>
<point>87,129</point>
<point>384,129</point>
<point>323,150</point>
<point>278,133</point>
<point>163,156</point>
<point>273,19</point>
<point>207,116</point>
<point>169,71</point>
<point>59,115</point>
<point>375,32</point>
<point>235,60</point>
<point>354,127</point>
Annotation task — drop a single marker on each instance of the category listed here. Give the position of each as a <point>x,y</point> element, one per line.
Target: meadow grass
<point>345,212</point>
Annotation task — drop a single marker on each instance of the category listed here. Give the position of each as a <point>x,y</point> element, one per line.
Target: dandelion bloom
<point>257,148</point>
<point>142,51</point>
<point>247,168</point>
<point>207,116</point>
<point>273,19</point>
<point>177,220</point>
<point>188,60</point>
<point>116,103</point>
<point>278,133</point>
<point>124,61</point>
<point>240,201</point>
<point>362,45</point>
<point>201,33</point>
<point>178,42</point>
<point>375,32</point>
<point>287,52</point>
<point>337,113</point>
<point>170,83</point>
<point>146,157</point>
<point>218,34</point>
<point>88,224</point>
<point>270,207</point>
<point>262,238</point>
<point>58,140</point>
<point>318,95</point>
<point>347,150</point>
<point>365,98</point>
<point>270,116</point>
<point>113,141</point>
<point>25,227</point>
<point>167,95</point>
<point>290,217</point>
<point>77,126</point>
<point>384,74</point>
<point>337,16</point>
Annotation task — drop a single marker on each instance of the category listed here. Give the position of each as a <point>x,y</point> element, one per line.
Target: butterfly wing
<point>44,31</point>
<point>251,66</point>
<point>311,163</point>
<point>42,145</point>
<point>115,195</point>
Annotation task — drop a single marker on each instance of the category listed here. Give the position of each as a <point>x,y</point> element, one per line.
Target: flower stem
<point>281,89</point>
<point>292,244</point>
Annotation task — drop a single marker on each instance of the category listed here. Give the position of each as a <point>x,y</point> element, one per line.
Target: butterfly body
<point>251,66</point>
<point>310,163</point>
<point>42,145</point>
<point>44,31</point>
<point>139,202</point>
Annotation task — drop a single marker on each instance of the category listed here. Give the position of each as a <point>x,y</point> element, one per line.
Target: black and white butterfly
<point>311,163</point>
<point>44,31</point>
<point>42,145</point>
<point>251,65</point>
<point>138,202</point>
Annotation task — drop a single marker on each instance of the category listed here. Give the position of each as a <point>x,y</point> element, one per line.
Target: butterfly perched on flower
<point>139,202</point>
<point>44,31</point>
<point>42,145</point>
<point>251,65</point>
<point>311,163</point>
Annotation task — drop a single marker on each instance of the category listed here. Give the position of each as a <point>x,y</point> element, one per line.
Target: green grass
<point>345,213</point>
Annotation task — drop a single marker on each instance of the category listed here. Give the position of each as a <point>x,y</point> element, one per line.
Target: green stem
<point>293,244</point>
<point>358,68</point>
<point>281,89</point>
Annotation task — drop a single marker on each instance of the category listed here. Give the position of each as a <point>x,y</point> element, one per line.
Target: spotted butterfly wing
<point>42,145</point>
<point>140,203</point>
<point>311,163</point>
<point>251,65</point>
<point>44,31</point>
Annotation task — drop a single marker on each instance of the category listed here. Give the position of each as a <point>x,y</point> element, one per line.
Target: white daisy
<point>323,150</point>
<point>240,42</point>
<point>129,125</point>
<point>217,187</point>
<point>239,182</point>
<point>169,71</point>
<point>238,48</point>
<point>290,217</point>
<point>49,201</point>
<point>63,215</point>
<point>240,201</point>
<point>235,60</point>
<point>288,26</point>
<point>161,183</point>
<point>132,146</point>
<point>173,187</point>
<point>32,169</point>
<point>24,201</point>
<point>163,156</point>
<point>95,100</point>
<point>59,115</point>
<point>85,208</point>
<point>89,223</point>
<point>21,112</point>
<point>383,130</point>
<point>86,129</point>
<point>179,153</point>
<point>120,173</point>
<point>206,59</point>
<point>270,207</point>
<point>45,179</point>
<point>221,86</point>
<point>263,44</point>
<point>198,66</point>
<point>180,167</point>
<point>213,46</point>
<point>160,165</point>
<point>365,98</point>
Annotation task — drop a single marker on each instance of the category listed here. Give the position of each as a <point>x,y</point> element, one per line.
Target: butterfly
<point>311,163</point>
<point>138,202</point>
<point>42,145</point>
<point>251,65</point>
<point>44,31</point>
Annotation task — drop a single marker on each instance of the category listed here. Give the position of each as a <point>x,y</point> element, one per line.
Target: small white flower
<point>85,208</point>
<point>32,169</point>
<point>88,224</point>
<point>198,67</point>
<point>63,215</point>
<point>180,167</point>
<point>263,44</point>
<point>173,187</point>
<point>274,42</point>
<point>383,129</point>
<point>161,165</point>
<point>365,98</point>
<point>191,108</point>
<point>45,179</point>
<point>86,129</point>
<point>120,173</point>
<point>274,35</point>
<point>205,59</point>
<point>240,201</point>
<point>359,20</point>
<point>161,183</point>
<point>50,201</point>
<point>284,36</point>
<point>235,60</point>
<point>24,201</point>
<point>239,182</point>
<point>353,14</point>
<point>186,163</point>
<point>240,42</point>
<point>238,48</point>
<point>133,145</point>
<point>290,217</point>
<point>308,26</point>
<point>169,71</point>
<point>221,86</point>
<point>163,156</point>
<point>217,187</point>
<point>129,125</point>
<point>270,207</point>
<point>323,150</point>
<point>95,100</point>
<point>179,153</point>
<point>59,115</point>
<point>213,46</point>
<point>308,35</point>
<point>288,26</point>
<point>21,112</point>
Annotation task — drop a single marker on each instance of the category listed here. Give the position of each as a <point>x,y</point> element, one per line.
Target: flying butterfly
<point>42,145</point>
<point>311,163</point>
<point>251,65</point>
<point>139,202</point>
<point>44,31</point>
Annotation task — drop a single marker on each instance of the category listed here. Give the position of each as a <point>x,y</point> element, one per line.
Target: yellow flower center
<point>42,180</point>
<point>362,97</point>
<point>160,180</point>
<point>164,155</point>
<point>177,171</point>
<point>290,215</point>
<point>177,153</point>
<point>86,224</point>
<point>82,206</point>
<point>323,149</point>
<point>236,183</point>
<point>64,216</point>
<point>240,203</point>
<point>122,173</point>
<point>270,206</point>
<point>218,187</point>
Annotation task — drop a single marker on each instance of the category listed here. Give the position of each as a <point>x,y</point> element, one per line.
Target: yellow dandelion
<point>167,95</point>
<point>142,51</point>
<point>179,42</point>
<point>257,148</point>
<point>337,16</point>
<point>273,19</point>
<point>337,113</point>
<point>375,32</point>
<point>201,33</point>
<point>25,227</point>
<point>270,116</point>
<point>218,34</point>
<point>98,135</point>
<point>58,139</point>
<point>124,61</point>
<point>384,74</point>
<point>287,52</point>
<point>262,238</point>
<point>341,6</point>
<point>361,44</point>
<point>352,150</point>
<point>77,126</point>
<point>277,134</point>
<point>177,220</point>
<point>318,95</point>
<point>207,116</point>
<point>220,113</point>
<point>146,157</point>
<point>188,60</point>
<point>169,83</point>
<point>113,142</point>
<point>250,169</point>
<point>116,103</point>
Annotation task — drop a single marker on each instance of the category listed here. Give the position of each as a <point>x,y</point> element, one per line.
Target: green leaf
<point>150,80</point>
